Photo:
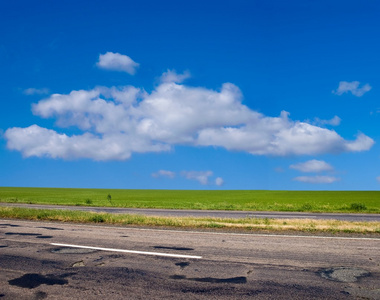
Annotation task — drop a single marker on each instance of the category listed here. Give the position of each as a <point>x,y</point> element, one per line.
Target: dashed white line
<point>128,251</point>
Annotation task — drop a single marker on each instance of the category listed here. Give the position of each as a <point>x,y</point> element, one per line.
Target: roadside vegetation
<point>247,224</point>
<point>255,200</point>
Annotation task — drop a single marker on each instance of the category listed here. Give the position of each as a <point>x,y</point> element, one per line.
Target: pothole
<point>78,264</point>
<point>234,280</point>
<point>182,264</point>
<point>174,248</point>
<point>32,281</point>
<point>72,250</point>
<point>344,274</point>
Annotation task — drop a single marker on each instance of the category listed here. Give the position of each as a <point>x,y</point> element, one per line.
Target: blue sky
<point>190,94</point>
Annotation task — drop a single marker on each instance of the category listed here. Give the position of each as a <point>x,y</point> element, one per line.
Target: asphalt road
<point>41,260</point>
<point>209,213</point>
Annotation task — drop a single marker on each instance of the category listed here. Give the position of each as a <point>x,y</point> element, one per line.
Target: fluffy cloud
<point>173,76</point>
<point>312,166</point>
<point>353,88</point>
<point>42,142</point>
<point>116,122</point>
<point>164,173</point>
<point>316,179</point>
<point>117,62</point>
<point>335,121</point>
<point>201,176</point>
<point>219,181</point>
<point>34,91</point>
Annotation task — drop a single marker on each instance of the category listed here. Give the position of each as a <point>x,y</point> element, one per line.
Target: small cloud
<point>361,143</point>
<point>335,121</point>
<point>117,62</point>
<point>316,179</point>
<point>279,170</point>
<point>219,181</point>
<point>312,166</point>
<point>172,76</point>
<point>352,87</point>
<point>34,91</point>
<point>201,176</point>
<point>378,179</point>
<point>163,173</point>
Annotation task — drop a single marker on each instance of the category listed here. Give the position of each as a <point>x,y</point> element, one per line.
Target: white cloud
<point>172,76</point>
<point>312,166</point>
<point>219,181</point>
<point>352,87</point>
<point>116,122</point>
<point>335,121</point>
<point>34,91</point>
<point>316,179</point>
<point>201,176</point>
<point>164,173</point>
<point>117,62</point>
<point>378,179</point>
<point>42,142</point>
<point>361,143</point>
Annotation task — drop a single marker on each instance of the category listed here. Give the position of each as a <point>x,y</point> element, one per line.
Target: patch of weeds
<point>284,223</point>
<point>88,201</point>
<point>230,207</point>
<point>42,215</point>
<point>266,221</point>
<point>310,227</point>
<point>214,225</point>
<point>97,219</point>
<point>358,206</point>
<point>306,207</point>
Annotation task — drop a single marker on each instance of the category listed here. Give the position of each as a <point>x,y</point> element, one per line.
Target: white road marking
<point>127,251</point>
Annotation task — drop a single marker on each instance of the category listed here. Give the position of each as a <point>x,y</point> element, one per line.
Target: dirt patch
<point>343,274</point>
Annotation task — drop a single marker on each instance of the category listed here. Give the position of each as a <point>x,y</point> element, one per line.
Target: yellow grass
<point>247,224</point>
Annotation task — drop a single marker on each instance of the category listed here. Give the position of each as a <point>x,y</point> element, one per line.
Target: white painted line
<point>128,251</point>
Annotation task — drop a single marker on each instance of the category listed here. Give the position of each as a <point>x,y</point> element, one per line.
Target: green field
<point>313,201</point>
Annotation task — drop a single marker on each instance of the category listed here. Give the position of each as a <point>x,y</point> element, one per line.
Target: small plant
<point>97,219</point>
<point>306,207</point>
<point>88,201</point>
<point>109,198</point>
<point>358,206</point>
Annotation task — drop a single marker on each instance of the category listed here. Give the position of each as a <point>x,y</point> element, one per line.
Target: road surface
<point>209,213</point>
<point>41,260</point>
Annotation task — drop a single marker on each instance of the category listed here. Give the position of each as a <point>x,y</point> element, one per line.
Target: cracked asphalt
<point>232,266</point>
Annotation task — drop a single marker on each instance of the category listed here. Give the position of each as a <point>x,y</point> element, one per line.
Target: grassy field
<point>312,201</point>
